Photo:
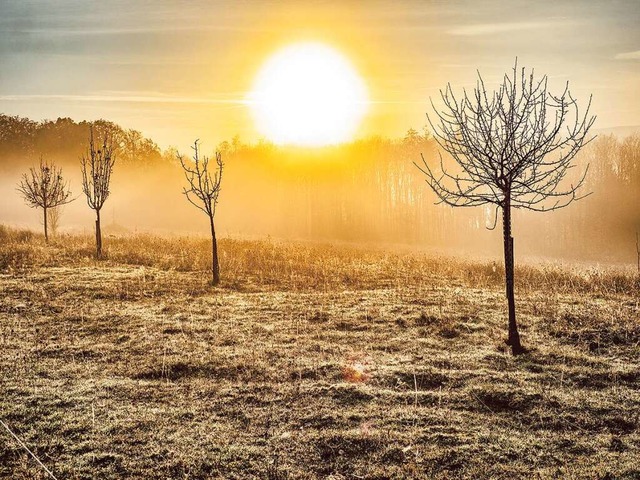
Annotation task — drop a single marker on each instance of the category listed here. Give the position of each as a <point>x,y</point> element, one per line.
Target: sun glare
<point>308,94</point>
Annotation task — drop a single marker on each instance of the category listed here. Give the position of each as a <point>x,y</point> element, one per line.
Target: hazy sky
<point>181,70</point>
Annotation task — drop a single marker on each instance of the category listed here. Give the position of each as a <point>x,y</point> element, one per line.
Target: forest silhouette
<point>363,191</point>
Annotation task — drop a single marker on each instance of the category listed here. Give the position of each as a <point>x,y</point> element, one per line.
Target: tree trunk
<point>46,231</point>
<point>215,265</point>
<point>638,250</point>
<point>98,236</point>
<point>514,336</point>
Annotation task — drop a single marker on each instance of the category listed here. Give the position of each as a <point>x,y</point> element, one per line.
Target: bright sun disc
<point>308,94</point>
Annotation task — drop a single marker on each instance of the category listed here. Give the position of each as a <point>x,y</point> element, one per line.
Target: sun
<point>308,94</point>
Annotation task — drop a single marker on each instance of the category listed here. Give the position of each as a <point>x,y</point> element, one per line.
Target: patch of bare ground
<point>123,370</point>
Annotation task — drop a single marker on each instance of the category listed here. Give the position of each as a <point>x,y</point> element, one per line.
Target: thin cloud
<point>146,98</point>
<point>628,56</point>
<point>493,28</point>
<point>69,32</point>
<point>123,98</point>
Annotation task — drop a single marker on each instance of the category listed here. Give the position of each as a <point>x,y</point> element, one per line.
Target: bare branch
<point>44,186</point>
<point>517,142</point>
<point>97,166</point>
<point>204,185</point>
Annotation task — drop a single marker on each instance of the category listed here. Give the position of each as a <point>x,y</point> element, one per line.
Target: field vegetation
<point>309,360</point>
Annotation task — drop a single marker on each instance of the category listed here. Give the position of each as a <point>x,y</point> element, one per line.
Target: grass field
<point>309,361</point>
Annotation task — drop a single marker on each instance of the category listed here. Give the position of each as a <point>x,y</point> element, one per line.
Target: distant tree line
<point>376,194</point>
<point>64,140</point>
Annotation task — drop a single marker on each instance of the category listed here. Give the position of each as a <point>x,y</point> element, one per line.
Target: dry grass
<point>310,361</point>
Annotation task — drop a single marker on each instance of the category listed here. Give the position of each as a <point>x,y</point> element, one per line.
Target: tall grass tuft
<point>299,266</point>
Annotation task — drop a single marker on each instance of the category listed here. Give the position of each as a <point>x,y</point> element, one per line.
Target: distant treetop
<point>64,140</point>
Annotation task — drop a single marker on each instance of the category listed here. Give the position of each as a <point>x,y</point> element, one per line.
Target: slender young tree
<point>97,166</point>
<point>514,148</point>
<point>202,192</point>
<point>43,187</point>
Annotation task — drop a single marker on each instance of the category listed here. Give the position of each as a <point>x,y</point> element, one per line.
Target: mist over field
<point>367,191</point>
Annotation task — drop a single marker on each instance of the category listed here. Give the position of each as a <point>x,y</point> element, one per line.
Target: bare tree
<point>97,166</point>
<point>513,147</point>
<point>203,192</point>
<point>43,187</point>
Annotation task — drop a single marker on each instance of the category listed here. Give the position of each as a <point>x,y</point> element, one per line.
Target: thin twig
<point>27,449</point>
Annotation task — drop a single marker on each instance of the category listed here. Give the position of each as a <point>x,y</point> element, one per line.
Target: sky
<point>178,71</point>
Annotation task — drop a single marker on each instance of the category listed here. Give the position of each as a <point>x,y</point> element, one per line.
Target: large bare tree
<point>202,192</point>
<point>97,166</point>
<point>514,148</point>
<point>43,187</point>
